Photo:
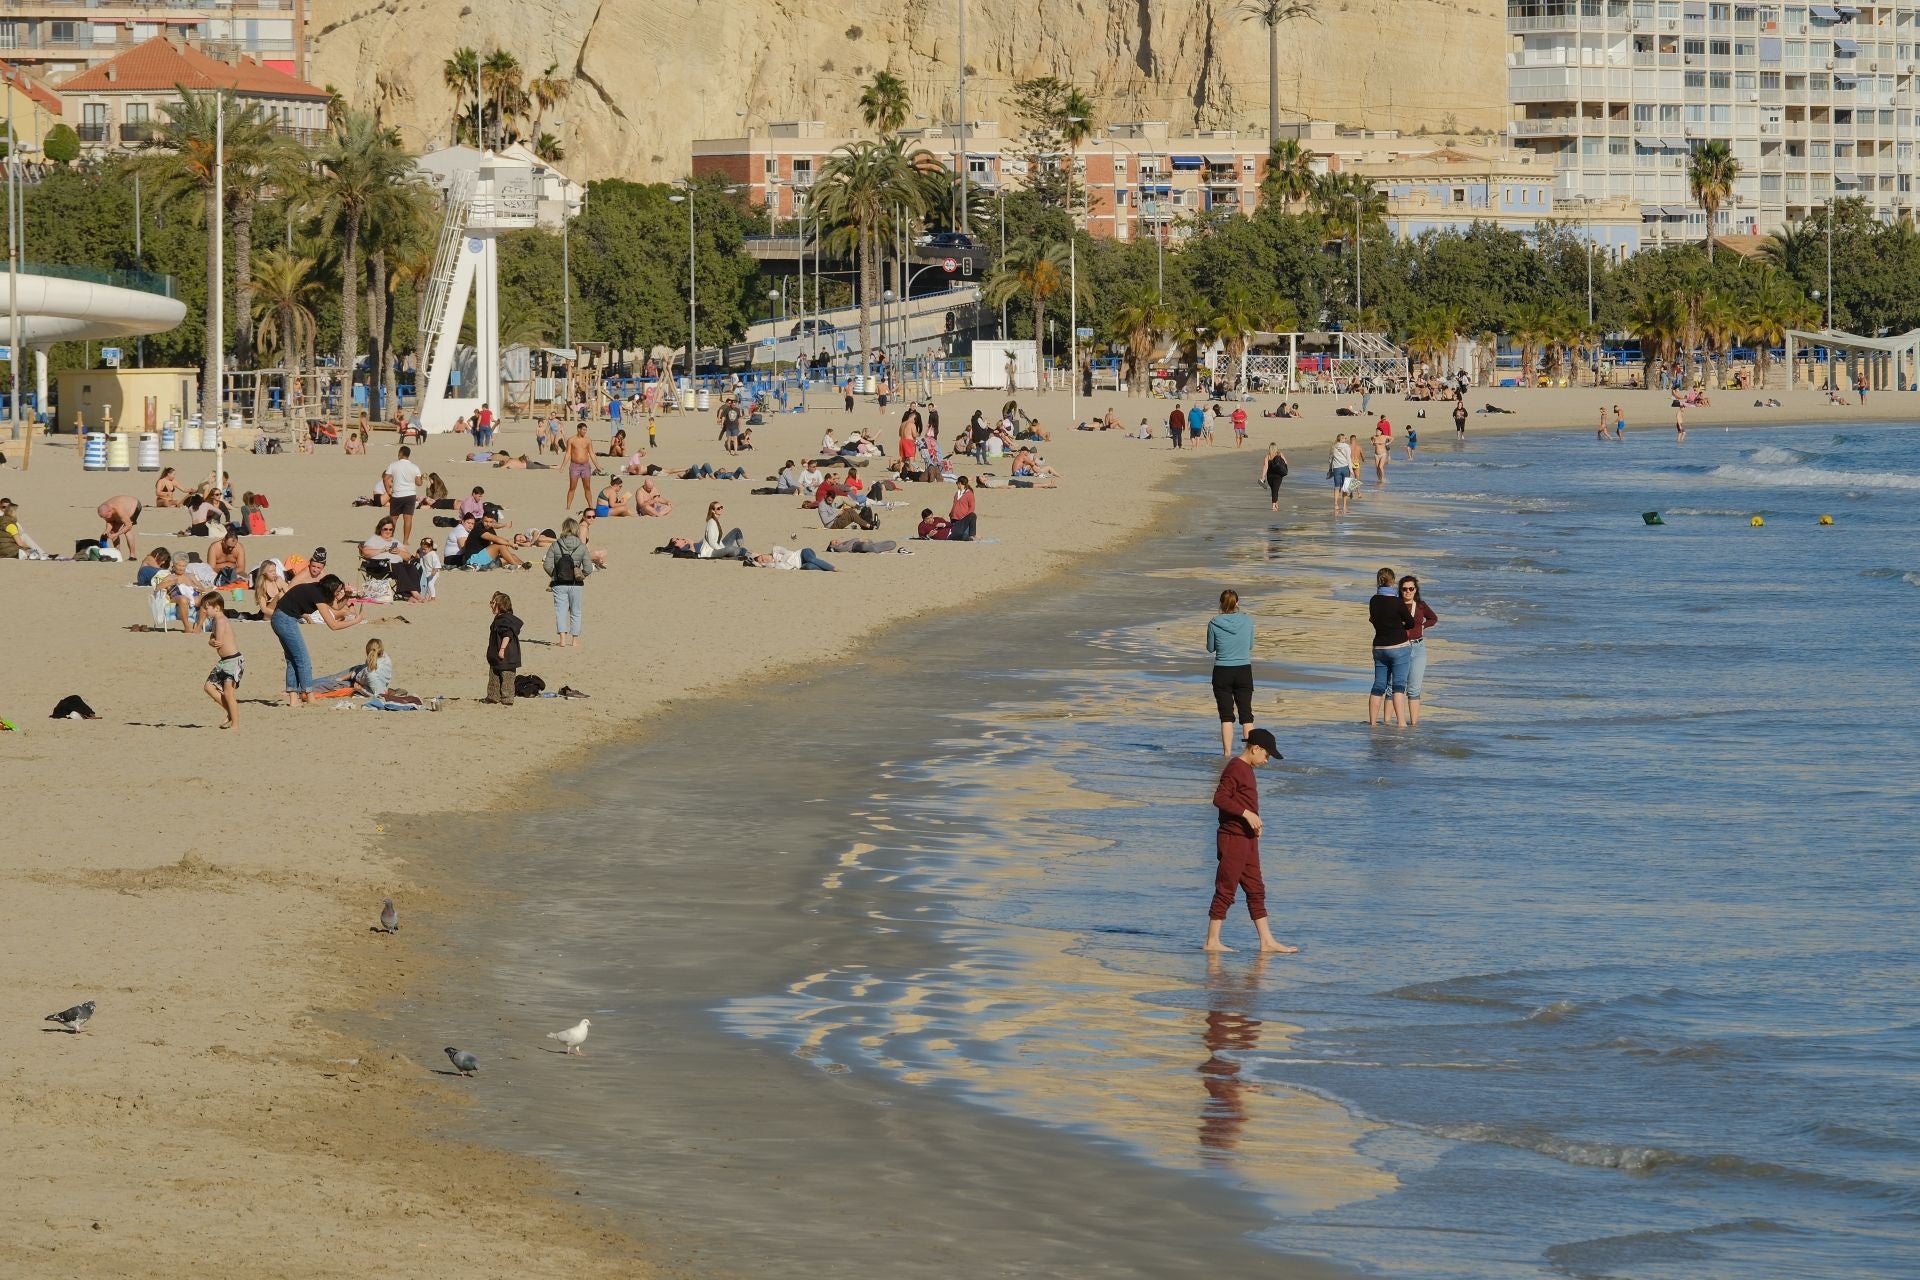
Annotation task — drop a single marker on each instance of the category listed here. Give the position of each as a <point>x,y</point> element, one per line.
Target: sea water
<point>1609,968</point>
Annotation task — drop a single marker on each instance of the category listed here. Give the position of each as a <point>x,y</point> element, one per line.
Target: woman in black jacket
<point>1392,650</point>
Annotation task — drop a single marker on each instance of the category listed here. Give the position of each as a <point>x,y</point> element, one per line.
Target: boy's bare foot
<point>1279,949</point>
<point>1216,947</point>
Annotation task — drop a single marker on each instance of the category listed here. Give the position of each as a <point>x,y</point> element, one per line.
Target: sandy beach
<point>214,891</point>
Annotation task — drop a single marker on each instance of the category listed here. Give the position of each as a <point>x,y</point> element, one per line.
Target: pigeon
<point>389,918</point>
<point>76,1018</point>
<point>573,1037</point>
<point>463,1062</point>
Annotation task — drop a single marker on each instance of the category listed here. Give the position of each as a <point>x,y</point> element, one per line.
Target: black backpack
<point>566,572</point>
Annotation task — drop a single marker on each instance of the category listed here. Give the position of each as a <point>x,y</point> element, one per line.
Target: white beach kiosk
<point>496,194</point>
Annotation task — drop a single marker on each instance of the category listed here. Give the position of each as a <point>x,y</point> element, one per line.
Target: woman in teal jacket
<point>1230,641</point>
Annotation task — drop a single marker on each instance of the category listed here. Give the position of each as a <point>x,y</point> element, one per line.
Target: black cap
<point>1262,739</point>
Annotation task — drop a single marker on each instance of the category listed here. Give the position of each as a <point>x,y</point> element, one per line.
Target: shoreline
<point>184,927</point>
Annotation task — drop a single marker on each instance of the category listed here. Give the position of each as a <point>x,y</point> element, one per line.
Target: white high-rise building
<point>1817,102</point>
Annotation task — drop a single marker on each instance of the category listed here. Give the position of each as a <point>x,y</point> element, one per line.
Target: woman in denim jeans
<point>1392,650</point>
<point>1424,619</point>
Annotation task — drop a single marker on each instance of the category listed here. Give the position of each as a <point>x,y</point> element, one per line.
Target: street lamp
<point>693,310</point>
<point>15,213</point>
<point>566,260</point>
<point>1355,197</point>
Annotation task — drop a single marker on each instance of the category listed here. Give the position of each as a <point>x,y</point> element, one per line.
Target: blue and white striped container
<point>94,456</point>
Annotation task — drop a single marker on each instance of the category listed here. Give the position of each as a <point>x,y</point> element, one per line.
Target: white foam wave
<point>1768,456</point>
<point>1814,478</point>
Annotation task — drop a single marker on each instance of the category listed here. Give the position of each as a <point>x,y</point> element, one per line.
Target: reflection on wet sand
<point>1020,1018</point>
<point>1230,1031</point>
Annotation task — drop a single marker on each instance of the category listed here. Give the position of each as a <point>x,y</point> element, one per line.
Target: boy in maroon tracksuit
<point>1238,800</point>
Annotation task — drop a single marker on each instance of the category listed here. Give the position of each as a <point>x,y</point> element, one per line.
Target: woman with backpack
<point>1273,469</point>
<point>568,564</point>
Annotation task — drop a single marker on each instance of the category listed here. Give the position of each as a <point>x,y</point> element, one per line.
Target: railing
<point>143,281</point>
<point>93,132</point>
<point>138,133</point>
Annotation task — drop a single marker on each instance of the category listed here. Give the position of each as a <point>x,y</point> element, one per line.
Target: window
<point>63,32</point>
<point>136,113</point>
<point>803,173</point>
<point>9,38</point>
<point>94,113</point>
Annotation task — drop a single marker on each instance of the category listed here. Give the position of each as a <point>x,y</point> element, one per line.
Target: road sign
<point>950,265</point>
<point>1083,332</point>
<point>769,342</point>
<point>110,356</point>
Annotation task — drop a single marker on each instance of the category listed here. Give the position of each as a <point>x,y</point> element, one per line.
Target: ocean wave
<point>1635,1158</point>
<point>1814,477</point>
<point>1842,1135</point>
<point>1706,511</point>
<point>1768,456</point>
<point>1610,1254</point>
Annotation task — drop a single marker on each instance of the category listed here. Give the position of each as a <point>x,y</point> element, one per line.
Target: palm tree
<point>357,167</point>
<point>1777,307</point>
<point>884,103</point>
<point>1659,321</point>
<point>549,90</point>
<point>399,224</point>
<point>284,296</point>
<point>1434,331</point>
<point>461,73</point>
<point>1792,244</point>
<point>1710,176</point>
<point>1241,314</point>
<point>1722,325</point>
<point>1334,198</point>
<point>1037,268</point>
<point>500,78</point>
<point>1289,177</point>
<point>1189,330</point>
<point>548,148</point>
<point>1138,322</point>
<point>1076,126</point>
<point>856,195</point>
<point>1531,326</point>
<point>190,137</point>
<point>1273,14</point>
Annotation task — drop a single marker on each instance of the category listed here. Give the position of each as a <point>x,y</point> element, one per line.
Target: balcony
<point>1548,126</point>
<point>137,133</point>
<point>95,133</point>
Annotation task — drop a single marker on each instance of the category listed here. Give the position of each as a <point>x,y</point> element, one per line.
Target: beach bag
<point>528,686</point>
<point>377,591</point>
<point>256,523</point>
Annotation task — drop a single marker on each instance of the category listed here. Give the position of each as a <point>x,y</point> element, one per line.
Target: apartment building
<point>118,104</point>
<point>1817,102</point>
<point>1141,181</point>
<point>31,109</point>
<point>55,39</point>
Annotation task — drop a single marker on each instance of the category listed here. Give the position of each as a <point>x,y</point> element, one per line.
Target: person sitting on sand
<point>615,499</point>
<point>835,514</point>
<point>369,679</point>
<point>715,545</point>
<point>617,447</point>
<point>649,501</point>
<point>166,490</point>
<point>485,537</point>
<point>269,584</point>
<point>228,559</point>
<point>934,528</point>
<point>384,556</point>
<point>1026,465</point>
<point>158,564</point>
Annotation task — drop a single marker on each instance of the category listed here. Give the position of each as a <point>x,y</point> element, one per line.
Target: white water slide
<point>75,304</point>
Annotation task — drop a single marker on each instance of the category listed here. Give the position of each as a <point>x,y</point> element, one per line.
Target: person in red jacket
<point>1238,843</point>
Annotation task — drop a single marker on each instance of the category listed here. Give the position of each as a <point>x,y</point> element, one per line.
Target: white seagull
<point>573,1037</point>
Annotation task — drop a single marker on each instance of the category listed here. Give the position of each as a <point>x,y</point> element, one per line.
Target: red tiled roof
<point>29,86</point>
<point>159,65</point>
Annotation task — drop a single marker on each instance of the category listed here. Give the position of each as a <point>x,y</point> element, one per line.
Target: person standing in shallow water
<point>1237,798</point>
<point>1230,641</point>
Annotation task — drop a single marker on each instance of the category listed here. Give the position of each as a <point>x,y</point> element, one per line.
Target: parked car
<point>821,327</point>
<point>949,240</point>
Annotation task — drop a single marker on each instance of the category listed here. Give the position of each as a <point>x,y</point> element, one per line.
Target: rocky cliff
<point>650,75</point>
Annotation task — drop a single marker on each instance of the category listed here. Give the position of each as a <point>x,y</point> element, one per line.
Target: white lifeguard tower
<point>497,195</point>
